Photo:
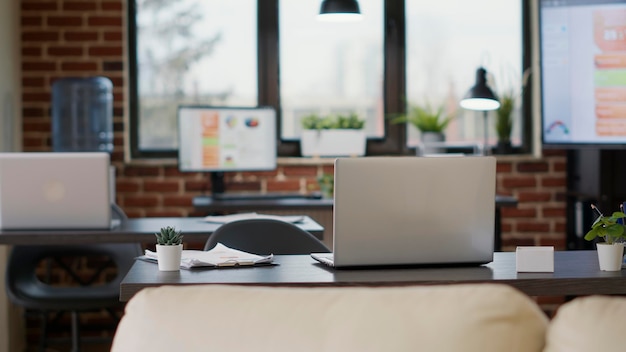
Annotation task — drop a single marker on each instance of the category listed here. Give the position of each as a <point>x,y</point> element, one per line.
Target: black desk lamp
<point>481,98</point>
<point>339,11</point>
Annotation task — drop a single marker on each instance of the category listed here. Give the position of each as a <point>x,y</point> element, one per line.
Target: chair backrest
<point>265,236</point>
<point>25,289</point>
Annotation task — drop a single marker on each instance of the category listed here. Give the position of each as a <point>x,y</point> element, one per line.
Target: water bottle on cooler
<point>82,115</point>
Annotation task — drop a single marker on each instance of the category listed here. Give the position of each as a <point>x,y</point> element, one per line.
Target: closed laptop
<point>413,211</point>
<point>55,191</point>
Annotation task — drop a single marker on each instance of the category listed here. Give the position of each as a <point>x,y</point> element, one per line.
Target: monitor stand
<point>217,183</point>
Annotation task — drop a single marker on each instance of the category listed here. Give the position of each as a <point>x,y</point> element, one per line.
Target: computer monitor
<point>583,65</point>
<point>226,139</point>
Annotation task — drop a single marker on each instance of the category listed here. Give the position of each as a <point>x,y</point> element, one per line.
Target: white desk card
<point>534,259</point>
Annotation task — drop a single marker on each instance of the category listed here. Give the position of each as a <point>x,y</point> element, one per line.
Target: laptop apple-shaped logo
<point>54,191</point>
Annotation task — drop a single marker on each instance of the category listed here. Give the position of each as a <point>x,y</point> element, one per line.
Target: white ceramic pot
<point>432,143</point>
<point>610,256</point>
<point>169,257</point>
<point>339,142</point>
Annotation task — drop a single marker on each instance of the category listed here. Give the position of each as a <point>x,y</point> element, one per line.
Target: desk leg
<point>497,243</point>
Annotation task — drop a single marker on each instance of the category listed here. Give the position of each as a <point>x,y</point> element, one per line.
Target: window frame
<point>394,82</point>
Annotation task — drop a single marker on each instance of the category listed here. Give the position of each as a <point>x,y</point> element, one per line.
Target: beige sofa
<point>488,317</point>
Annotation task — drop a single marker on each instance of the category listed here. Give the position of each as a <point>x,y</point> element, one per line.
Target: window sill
<point>295,161</point>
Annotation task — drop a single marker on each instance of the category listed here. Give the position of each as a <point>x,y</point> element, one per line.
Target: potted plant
<point>611,229</point>
<point>333,136</point>
<point>504,122</point>
<point>431,122</point>
<point>169,248</point>
<point>326,183</point>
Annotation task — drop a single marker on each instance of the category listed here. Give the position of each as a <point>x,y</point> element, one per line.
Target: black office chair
<point>29,285</point>
<point>265,236</point>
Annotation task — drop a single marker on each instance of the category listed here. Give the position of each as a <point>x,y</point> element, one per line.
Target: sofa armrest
<point>592,323</point>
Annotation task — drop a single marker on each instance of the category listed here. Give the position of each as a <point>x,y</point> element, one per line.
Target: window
<point>329,68</point>
<point>190,52</point>
<point>274,52</point>
<point>446,42</point>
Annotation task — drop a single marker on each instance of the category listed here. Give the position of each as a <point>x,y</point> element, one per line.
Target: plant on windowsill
<point>333,136</point>
<point>611,229</point>
<point>430,122</point>
<point>505,115</point>
<point>169,248</point>
<point>504,122</point>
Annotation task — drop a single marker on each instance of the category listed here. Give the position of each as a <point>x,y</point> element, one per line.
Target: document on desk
<point>224,219</point>
<point>218,257</point>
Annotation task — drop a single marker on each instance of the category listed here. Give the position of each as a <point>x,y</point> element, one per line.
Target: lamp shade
<point>480,96</point>
<point>339,10</point>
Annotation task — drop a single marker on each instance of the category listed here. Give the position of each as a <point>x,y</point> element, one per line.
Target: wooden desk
<point>133,230</point>
<point>576,273</point>
<point>209,205</point>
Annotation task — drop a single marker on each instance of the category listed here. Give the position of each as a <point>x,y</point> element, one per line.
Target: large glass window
<point>276,53</point>
<point>329,68</point>
<point>191,52</point>
<point>446,42</point>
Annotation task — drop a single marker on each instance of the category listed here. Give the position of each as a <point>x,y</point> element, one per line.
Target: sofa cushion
<point>468,318</point>
<point>591,323</point>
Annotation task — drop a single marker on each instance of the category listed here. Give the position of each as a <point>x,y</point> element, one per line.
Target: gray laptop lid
<point>55,191</point>
<point>414,210</point>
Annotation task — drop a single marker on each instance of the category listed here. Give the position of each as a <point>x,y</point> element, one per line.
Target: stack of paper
<point>219,256</point>
<point>224,219</point>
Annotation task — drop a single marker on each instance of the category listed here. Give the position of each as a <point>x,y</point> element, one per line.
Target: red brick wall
<point>86,38</point>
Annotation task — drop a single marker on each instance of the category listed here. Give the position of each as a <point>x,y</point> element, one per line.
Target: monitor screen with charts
<point>226,139</point>
<point>413,211</point>
<point>51,191</point>
<point>215,139</point>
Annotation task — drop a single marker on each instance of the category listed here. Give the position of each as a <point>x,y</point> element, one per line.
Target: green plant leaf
<point>504,116</point>
<point>315,122</point>
<point>425,119</point>
<point>608,228</point>
<point>168,236</point>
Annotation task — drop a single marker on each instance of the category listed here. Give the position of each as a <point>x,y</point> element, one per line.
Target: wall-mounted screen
<point>216,139</point>
<point>583,72</point>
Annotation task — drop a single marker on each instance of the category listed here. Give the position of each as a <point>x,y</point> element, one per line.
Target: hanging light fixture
<point>339,11</point>
<point>481,98</point>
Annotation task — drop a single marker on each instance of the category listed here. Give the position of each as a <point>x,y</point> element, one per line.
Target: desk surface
<point>576,273</point>
<point>206,203</point>
<point>133,230</point>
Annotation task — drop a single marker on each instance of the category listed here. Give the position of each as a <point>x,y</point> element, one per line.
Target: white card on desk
<point>224,219</point>
<point>534,259</point>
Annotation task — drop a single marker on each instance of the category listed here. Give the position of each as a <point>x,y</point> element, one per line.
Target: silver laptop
<point>55,191</point>
<point>413,211</point>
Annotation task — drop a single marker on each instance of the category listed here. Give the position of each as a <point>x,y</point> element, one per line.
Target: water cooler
<point>82,120</point>
<point>82,115</point>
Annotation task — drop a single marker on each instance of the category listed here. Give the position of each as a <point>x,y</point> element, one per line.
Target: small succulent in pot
<point>168,236</point>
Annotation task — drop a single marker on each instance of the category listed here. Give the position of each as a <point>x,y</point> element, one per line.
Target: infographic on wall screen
<point>584,71</point>
<point>610,72</point>
<point>227,139</point>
